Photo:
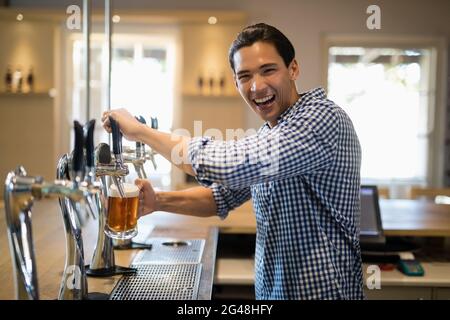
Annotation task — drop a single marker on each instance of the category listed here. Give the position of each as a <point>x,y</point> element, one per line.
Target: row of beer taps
<point>83,177</point>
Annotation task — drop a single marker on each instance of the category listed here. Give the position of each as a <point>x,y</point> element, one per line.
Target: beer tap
<point>121,170</point>
<point>72,167</point>
<point>89,172</point>
<point>103,261</point>
<point>151,154</point>
<point>138,158</point>
<point>139,155</point>
<point>77,168</point>
<point>21,191</point>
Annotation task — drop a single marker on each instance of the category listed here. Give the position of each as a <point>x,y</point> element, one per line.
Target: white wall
<point>304,21</point>
<point>27,128</point>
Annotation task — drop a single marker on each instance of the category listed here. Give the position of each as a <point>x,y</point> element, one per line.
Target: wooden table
<point>49,241</point>
<point>400,218</point>
<point>418,218</point>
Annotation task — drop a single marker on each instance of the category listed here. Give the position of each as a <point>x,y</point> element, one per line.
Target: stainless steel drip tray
<point>159,282</point>
<point>169,250</point>
<point>169,271</point>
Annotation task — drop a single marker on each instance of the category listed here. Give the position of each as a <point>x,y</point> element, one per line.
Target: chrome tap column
<point>20,193</point>
<point>18,202</point>
<point>103,262</point>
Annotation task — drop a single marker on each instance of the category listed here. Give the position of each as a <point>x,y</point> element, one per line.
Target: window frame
<point>437,105</point>
<point>136,30</point>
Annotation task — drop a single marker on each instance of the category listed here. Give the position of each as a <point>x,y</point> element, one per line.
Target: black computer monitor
<point>370,222</point>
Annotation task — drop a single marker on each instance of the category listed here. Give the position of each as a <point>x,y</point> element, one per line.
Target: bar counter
<point>49,244</point>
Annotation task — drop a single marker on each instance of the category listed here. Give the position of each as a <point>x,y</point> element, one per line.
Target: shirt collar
<point>305,97</point>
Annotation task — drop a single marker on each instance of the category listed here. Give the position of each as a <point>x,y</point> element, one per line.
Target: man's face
<point>264,81</point>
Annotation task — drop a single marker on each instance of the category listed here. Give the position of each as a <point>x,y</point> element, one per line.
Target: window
<point>388,94</point>
<point>142,81</point>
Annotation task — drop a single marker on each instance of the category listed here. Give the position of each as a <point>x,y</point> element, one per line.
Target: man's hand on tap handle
<point>129,126</point>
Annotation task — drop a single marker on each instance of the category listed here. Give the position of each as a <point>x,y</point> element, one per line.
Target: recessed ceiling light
<point>116,18</point>
<point>212,20</point>
<point>19,17</point>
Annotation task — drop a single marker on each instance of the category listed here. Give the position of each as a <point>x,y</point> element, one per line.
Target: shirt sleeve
<point>227,199</point>
<point>303,145</point>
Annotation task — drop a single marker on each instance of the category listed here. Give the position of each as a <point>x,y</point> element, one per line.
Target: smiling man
<point>302,170</point>
<point>264,78</point>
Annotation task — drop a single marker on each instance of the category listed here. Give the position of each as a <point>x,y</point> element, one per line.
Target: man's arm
<point>304,145</point>
<point>217,200</point>
<point>172,147</point>
<point>198,201</point>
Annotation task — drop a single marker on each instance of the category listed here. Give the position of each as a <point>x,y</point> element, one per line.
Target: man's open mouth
<point>264,102</point>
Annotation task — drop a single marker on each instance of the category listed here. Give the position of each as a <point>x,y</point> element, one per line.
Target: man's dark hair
<point>266,33</point>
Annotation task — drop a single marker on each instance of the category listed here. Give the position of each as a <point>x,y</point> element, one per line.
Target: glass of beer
<point>121,220</point>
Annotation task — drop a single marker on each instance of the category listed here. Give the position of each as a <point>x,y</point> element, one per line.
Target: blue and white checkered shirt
<point>304,177</point>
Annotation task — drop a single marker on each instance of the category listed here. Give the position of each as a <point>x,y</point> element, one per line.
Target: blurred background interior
<point>170,61</point>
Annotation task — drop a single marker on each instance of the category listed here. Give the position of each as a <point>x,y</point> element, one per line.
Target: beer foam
<point>130,190</point>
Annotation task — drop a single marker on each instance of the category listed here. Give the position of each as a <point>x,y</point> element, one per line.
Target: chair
<point>383,192</point>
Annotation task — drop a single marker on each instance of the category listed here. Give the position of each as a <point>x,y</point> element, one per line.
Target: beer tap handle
<point>90,166</point>
<point>154,123</point>
<point>141,119</point>
<point>140,145</point>
<point>78,152</point>
<point>77,165</point>
<point>116,138</point>
<point>89,143</point>
<point>117,150</point>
